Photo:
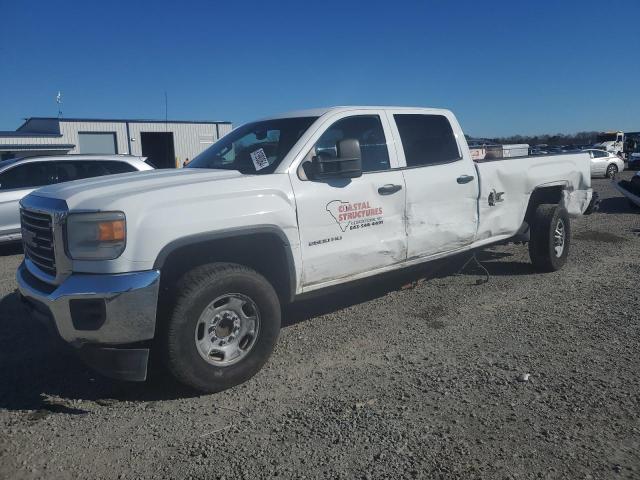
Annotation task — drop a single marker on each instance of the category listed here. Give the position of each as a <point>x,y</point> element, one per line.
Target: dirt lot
<point>373,382</point>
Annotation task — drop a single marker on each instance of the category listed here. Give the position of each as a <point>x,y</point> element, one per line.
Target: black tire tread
<point>539,243</point>
<point>187,288</point>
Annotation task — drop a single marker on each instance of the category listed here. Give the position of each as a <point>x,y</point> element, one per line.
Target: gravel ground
<point>417,380</point>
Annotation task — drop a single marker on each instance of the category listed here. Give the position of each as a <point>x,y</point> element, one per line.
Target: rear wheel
<point>550,238</point>
<point>612,170</point>
<point>223,327</point>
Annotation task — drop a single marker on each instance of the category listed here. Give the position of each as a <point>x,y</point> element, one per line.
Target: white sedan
<point>604,164</point>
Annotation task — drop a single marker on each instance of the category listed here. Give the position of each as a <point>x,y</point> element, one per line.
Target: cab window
<point>427,139</point>
<point>367,129</point>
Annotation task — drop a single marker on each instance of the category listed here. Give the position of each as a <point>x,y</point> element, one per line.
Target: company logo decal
<point>354,215</point>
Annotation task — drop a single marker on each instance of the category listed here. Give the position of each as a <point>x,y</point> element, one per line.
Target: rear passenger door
<point>442,188</point>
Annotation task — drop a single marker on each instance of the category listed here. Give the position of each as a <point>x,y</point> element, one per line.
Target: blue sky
<point>504,67</point>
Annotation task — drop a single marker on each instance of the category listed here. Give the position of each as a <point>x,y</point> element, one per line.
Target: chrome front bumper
<point>130,301</point>
<point>98,311</point>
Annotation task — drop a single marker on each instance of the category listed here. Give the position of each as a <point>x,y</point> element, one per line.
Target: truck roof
<point>317,112</point>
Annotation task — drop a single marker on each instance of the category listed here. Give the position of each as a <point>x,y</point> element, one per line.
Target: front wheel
<point>612,171</point>
<point>550,238</point>
<point>223,327</point>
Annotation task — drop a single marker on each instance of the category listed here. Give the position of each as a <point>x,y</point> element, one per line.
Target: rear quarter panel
<point>517,178</point>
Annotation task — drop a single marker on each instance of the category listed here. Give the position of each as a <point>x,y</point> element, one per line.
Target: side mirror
<point>347,164</point>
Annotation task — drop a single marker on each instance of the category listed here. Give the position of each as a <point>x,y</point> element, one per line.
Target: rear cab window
<point>427,139</point>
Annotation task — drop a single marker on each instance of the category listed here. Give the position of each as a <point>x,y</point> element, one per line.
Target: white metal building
<point>166,144</point>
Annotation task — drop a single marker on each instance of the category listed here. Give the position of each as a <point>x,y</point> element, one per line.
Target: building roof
<point>18,133</point>
<point>50,126</point>
<point>41,146</point>
<point>29,120</point>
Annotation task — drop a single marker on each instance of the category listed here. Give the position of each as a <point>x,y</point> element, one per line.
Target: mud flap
<point>128,364</point>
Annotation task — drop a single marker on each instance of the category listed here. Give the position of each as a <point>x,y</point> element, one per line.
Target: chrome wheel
<point>227,329</point>
<point>559,235</point>
<point>611,171</point>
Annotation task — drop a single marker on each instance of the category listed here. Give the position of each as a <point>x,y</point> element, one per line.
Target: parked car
<point>634,161</point>
<point>19,177</point>
<point>604,164</point>
<point>537,151</point>
<point>195,263</point>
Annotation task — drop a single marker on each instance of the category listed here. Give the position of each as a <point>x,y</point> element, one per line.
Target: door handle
<point>465,178</point>
<point>389,189</point>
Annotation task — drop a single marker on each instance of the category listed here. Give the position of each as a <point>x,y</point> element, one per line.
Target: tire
<point>612,170</point>
<point>217,301</point>
<point>542,244</point>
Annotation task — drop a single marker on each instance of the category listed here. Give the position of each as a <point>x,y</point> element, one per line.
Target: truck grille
<point>37,240</point>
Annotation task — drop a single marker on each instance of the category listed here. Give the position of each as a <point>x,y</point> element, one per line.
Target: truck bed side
<point>506,186</point>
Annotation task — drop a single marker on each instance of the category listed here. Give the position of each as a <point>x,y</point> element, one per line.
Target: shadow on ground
<point>615,205</point>
<point>12,248</point>
<point>368,289</point>
<point>36,366</point>
<point>37,369</point>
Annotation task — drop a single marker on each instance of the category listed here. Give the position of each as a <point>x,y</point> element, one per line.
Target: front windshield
<point>254,148</point>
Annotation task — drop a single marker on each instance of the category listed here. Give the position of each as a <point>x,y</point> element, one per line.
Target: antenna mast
<point>59,102</point>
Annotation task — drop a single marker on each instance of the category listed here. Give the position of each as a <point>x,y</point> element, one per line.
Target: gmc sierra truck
<point>191,267</point>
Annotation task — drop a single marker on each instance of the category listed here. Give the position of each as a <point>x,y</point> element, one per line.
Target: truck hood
<point>104,190</point>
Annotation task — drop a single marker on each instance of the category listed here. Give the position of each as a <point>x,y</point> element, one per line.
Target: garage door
<point>103,142</point>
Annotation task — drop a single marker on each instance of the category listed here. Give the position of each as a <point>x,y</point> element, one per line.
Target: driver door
<point>351,226</point>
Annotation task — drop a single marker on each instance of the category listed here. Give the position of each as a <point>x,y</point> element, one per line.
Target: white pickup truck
<point>192,266</point>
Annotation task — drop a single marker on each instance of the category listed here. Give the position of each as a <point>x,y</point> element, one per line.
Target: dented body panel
<point>506,186</point>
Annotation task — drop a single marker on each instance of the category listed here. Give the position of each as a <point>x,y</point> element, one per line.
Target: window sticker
<point>260,159</point>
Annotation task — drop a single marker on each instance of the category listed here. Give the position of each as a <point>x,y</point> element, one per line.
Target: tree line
<point>579,138</point>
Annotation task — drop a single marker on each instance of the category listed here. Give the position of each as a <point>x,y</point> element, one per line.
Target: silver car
<point>19,177</point>
<point>604,164</point>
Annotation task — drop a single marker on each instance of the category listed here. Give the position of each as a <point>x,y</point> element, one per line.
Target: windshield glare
<point>254,148</point>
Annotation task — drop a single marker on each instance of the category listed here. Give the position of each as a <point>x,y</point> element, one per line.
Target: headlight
<point>96,236</point>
